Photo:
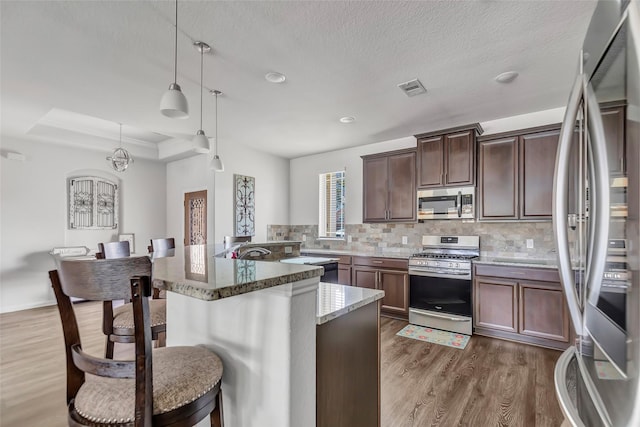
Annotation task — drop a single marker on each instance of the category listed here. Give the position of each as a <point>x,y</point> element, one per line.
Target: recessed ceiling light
<point>347,119</point>
<point>506,77</point>
<point>273,77</point>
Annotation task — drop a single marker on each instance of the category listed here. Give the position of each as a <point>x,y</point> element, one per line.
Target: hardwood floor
<point>490,383</point>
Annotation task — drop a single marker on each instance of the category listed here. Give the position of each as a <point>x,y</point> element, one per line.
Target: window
<point>331,222</point>
<point>93,203</point>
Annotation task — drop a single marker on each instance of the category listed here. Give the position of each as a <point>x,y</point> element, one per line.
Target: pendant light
<point>216,162</point>
<point>201,142</point>
<point>120,159</point>
<point>173,103</point>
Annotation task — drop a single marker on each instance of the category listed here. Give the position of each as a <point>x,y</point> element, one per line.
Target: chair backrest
<point>162,244</point>
<point>103,280</point>
<point>112,250</point>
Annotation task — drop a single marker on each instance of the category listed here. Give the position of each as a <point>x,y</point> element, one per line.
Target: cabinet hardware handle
<point>376,262</point>
<point>621,164</point>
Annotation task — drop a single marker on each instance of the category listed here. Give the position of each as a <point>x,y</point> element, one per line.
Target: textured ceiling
<point>113,60</point>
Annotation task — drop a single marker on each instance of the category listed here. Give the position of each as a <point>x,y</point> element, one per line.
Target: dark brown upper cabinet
<point>446,158</point>
<point>515,174</point>
<point>389,187</point>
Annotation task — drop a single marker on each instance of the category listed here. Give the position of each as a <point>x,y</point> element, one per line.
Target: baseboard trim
<point>29,306</point>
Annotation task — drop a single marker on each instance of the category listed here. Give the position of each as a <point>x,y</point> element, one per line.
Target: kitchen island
<point>260,318</point>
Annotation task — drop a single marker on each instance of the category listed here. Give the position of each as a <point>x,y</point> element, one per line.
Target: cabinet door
<point>543,311</point>
<point>364,277</point>
<point>537,164</point>
<point>402,187</point>
<point>613,123</point>
<point>344,275</point>
<point>498,186</point>
<point>431,162</point>
<point>496,304</point>
<point>395,285</point>
<point>375,176</point>
<point>459,159</point>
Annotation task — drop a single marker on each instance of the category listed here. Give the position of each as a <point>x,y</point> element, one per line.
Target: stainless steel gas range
<point>440,283</point>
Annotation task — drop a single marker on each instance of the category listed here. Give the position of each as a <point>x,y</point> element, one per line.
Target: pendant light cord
<point>201,73</point>
<point>175,56</point>
<point>216,148</point>
<point>120,135</point>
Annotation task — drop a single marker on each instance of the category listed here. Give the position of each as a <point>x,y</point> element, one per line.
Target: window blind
<point>331,204</point>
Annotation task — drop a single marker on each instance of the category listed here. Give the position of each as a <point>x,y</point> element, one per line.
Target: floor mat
<point>435,336</point>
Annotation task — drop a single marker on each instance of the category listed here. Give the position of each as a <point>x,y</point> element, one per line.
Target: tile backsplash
<point>499,239</point>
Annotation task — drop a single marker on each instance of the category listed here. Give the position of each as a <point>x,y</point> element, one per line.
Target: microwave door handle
<point>600,190</point>
<point>459,201</point>
<point>559,204</point>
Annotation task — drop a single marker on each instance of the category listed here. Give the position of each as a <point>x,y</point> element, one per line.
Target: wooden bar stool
<point>117,323</point>
<point>176,386</point>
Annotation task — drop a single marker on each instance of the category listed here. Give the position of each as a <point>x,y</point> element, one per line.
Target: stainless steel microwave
<point>446,203</point>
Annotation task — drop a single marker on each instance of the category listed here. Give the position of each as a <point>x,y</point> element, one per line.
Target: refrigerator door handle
<point>569,411</point>
<point>600,196</point>
<point>559,204</point>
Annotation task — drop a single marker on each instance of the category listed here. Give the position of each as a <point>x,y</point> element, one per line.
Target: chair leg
<point>108,353</point>
<point>162,339</point>
<point>217,418</point>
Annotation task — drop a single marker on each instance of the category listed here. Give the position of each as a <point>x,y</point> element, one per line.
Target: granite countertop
<point>518,262</point>
<point>336,300</point>
<point>194,271</point>
<point>404,254</point>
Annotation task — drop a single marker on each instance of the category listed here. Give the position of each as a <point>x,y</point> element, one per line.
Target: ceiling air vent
<point>412,87</point>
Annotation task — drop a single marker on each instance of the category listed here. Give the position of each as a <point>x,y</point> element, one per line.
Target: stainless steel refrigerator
<point>596,214</point>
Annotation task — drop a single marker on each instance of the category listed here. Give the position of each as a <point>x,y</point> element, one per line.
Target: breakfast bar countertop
<point>336,300</point>
<point>195,272</point>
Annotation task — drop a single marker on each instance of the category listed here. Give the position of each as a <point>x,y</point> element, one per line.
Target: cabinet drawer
<point>510,272</point>
<point>400,264</point>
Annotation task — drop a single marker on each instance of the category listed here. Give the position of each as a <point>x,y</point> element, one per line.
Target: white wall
<point>33,213</point>
<point>303,195</point>
<point>304,170</point>
<point>193,174</point>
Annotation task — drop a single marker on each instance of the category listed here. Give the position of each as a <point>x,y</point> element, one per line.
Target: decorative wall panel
<point>93,203</point>
<point>244,206</point>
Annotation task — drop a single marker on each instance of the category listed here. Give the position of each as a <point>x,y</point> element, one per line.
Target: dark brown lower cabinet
<point>344,274</point>
<point>365,277</point>
<point>521,304</point>
<point>395,285</point>
<point>388,274</point>
<point>543,311</point>
<point>496,304</point>
<point>348,369</point>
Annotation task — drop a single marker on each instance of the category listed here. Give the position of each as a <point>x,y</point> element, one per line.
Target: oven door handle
<point>452,275</point>
<point>440,316</point>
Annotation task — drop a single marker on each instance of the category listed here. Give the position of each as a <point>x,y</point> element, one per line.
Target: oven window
<point>451,296</point>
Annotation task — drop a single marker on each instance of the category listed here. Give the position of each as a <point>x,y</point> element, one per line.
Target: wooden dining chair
<point>117,323</point>
<point>162,244</point>
<point>113,250</point>
<point>176,386</point>
<point>160,247</point>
